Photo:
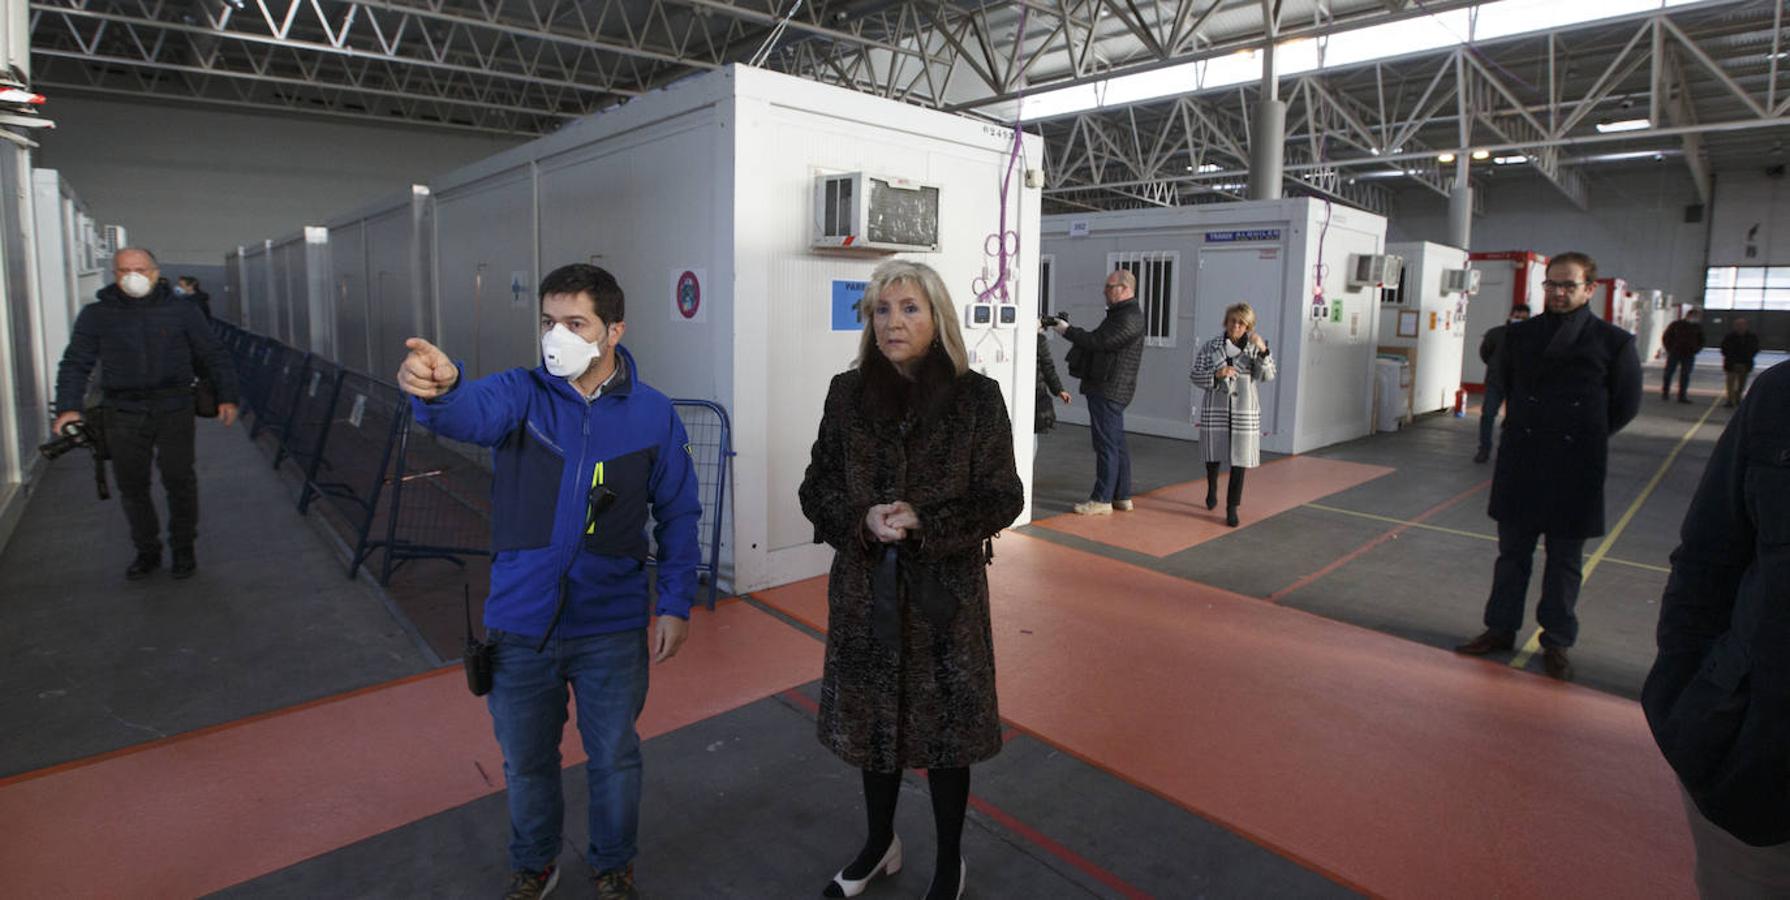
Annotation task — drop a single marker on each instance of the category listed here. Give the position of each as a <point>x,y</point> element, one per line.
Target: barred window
<point>1157,273</point>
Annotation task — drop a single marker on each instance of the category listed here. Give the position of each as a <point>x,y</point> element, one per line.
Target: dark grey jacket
<point>143,346</point>
<point>1718,698</point>
<point>1569,383</point>
<point>1107,358</point>
<point>1044,412</point>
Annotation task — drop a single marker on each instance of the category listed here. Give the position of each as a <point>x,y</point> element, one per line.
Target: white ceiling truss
<point>1711,77</point>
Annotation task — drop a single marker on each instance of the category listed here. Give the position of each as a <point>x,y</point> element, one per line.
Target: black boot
<point>1211,485</point>
<point>145,563</point>
<point>184,563</point>
<point>1234,495</point>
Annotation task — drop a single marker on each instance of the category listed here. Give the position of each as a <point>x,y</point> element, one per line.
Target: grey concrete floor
<point>98,663</point>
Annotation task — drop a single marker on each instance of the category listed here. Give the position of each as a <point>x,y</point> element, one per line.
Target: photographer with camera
<point>148,344</point>
<point>1106,360</point>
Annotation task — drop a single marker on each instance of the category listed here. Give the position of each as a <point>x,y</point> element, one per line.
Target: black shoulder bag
<point>479,656</point>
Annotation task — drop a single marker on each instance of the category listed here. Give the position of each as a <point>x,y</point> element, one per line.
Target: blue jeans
<point>1112,459</point>
<point>1682,365</point>
<point>607,676</point>
<point>1560,580</point>
<point>1488,414</point>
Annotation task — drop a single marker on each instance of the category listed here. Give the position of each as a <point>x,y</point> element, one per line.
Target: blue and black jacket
<point>554,452</point>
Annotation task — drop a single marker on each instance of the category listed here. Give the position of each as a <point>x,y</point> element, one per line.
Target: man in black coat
<point>1570,380</point>
<point>1494,395</point>
<point>1682,341</point>
<point>151,345</point>
<point>1739,346</point>
<point>1718,698</point>
<point>1106,360</point>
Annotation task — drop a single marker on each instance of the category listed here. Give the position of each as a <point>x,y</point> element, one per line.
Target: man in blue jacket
<point>583,451</point>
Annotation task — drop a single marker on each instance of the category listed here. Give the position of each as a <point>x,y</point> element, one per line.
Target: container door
<point>1242,275</point>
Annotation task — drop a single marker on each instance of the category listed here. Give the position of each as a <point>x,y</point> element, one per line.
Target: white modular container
<point>379,277</point>
<point>1508,279</point>
<point>69,272</point>
<point>1427,324</point>
<point>300,272</point>
<point>1652,314</point>
<point>261,311</point>
<point>700,199</point>
<point>1613,302</point>
<point>1272,254</point>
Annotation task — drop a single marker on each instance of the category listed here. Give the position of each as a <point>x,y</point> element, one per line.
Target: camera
<point>74,434</point>
<point>1052,319</point>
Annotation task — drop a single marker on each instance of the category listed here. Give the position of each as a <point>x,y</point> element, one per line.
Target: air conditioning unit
<point>114,239</point>
<point>860,211</point>
<point>1460,281</point>
<point>1374,270</point>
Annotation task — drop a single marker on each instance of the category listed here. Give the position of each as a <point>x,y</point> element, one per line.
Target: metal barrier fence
<point>353,462</point>
<point>284,379</point>
<point>402,489</point>
<point>441,500</point>
<point>308,427</point>
<point>710,435</point>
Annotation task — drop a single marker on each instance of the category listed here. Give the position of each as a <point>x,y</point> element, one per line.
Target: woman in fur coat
<point>910,479</point>
<point>1228,368</point>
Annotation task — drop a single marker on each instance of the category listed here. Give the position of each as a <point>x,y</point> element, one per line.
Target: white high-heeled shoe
<point>888,865</point>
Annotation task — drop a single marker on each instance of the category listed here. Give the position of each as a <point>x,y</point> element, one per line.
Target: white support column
<point>1268,143</point>
<point>1460,207</point>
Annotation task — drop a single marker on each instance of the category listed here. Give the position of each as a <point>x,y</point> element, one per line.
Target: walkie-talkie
<point>478,655</point>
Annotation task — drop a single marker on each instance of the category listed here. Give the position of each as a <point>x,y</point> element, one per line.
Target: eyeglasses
<point>1562,285</point>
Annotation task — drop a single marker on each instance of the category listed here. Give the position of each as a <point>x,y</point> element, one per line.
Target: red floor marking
<point>202,812</point>
<point>1174,518</point>
<point>1392,768</point>
<point>1043,841</point>
<point>1391,533</point>
<point>1006,820</point>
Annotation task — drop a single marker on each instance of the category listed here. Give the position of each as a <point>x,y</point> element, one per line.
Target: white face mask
<point>568,355</point>
<point>136,284</point>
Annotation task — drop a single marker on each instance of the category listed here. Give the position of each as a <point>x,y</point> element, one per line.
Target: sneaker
<point>1123,505</point>
<point>184,563</point>
<point>617,884</point>
<point>526,885</point>
<point>144,564</point>
<point>1093,508</point>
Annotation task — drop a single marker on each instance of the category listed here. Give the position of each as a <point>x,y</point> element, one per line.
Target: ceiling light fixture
<point>1624,125</point>
<point>1445,158</point>
<point>1510,160</point>
<point>1482,155</point>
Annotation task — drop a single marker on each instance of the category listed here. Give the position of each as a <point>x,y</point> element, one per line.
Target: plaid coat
<point>1229,416</point>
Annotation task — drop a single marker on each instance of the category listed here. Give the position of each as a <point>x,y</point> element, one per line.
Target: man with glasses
<point>586,454</point>
<point>1107,360</point>
<point>1569,380</point>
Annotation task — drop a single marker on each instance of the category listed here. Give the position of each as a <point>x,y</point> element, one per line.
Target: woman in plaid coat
<point>1227,368</point>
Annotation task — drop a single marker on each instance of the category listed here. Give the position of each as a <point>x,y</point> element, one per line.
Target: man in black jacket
<point>1739,346</point>
<point>147,342</point>
<point>1570,380</point>
<point>1494,395</point>
<point>1718,698</point>
<point>1682,341</point>
<point>1106,360</point>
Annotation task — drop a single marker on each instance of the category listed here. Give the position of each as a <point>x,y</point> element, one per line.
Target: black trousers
<point>1560,579</point>
<point>135,440</point>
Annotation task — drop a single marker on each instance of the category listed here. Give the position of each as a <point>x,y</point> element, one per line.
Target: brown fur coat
<point>933,704</point>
